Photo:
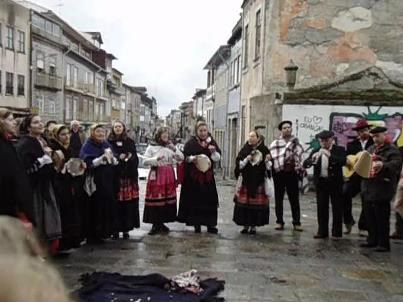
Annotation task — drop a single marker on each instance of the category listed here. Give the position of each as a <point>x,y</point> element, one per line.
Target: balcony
<point>48,81</point>
<point>210,92</point>
<point>114,88</point>
<point>87,88</point>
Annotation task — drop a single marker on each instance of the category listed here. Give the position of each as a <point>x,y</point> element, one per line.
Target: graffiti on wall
<point>342,124</point>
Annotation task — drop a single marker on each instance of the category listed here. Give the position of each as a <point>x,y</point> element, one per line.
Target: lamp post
<point>291,74</point>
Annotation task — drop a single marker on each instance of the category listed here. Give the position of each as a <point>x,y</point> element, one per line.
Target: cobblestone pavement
<point>271,266</point>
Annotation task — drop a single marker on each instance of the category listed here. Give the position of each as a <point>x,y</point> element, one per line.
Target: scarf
<point>92,149</point>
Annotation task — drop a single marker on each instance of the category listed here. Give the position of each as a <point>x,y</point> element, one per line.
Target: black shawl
<point>253,176</point>
<point>125,146</point>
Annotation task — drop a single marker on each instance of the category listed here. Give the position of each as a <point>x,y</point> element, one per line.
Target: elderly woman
<point>66,190</point>
<point>124,149</point>
<point>160,203</point>
<point>15,191</point>
<point>100,185</point>
<point>251,201</point>
<point>36,158</point>
<point>199,199</point>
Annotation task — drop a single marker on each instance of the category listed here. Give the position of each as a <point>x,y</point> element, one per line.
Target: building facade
<point>15,50</point>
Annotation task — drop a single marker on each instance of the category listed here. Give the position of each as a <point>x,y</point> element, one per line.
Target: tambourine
<point>257,157</point>
<point>75,167</point>
<point>203,163</point>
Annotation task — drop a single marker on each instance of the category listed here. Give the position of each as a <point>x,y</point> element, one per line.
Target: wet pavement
<point>271,266</point>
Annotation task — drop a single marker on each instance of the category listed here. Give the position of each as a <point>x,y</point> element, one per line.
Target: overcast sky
<point>160,44</point>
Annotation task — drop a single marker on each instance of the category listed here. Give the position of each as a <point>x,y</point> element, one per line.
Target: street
<point>271,266</point>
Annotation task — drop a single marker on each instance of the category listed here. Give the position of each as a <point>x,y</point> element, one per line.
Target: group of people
<point>283,163</point>
<point>73,189</point>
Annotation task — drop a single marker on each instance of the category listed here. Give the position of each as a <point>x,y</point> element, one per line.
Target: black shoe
<point>115,236</point>
<point>252,231</point>
<point>212,230</point>
<point>245,230</point>
<point>349,227</point>
<point>319,236</point>
<point>367,245</point>
<point>126,235</point>
<point>164,228</point>
<point>154,230</point>
<point>381,249</point>
<point>197,229</point>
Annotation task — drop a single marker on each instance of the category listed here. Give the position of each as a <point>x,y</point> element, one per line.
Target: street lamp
<point>291,74</point>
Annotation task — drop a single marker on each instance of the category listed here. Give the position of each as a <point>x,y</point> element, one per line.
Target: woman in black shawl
<point>124,149</point>
<point>199,199</point>
<point>36,158</point>
<point>68,194</point>
<point>251,201</point>
<point>100,185</point>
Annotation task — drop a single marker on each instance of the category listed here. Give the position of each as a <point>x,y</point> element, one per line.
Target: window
<point>52,65</point>
<point>91,111</point>
<point>38,21</point>
<point>75,77</point>
<point>85,110</point>
<point>21,85</point>
<point>56,30</point>
<point>10,37</point>
<point>75,107</point>
<point>69,108</point>
<point>69,76</point>
<point>96,112</point>
<point>258,34</point>
<point>238,74</point>
<point>40,103</point>
<point>1,36</point>
<point>21,41</point>
<point>9,83</point>
<point>52,106</point>
<point>40,61</point>
<point>48,26</point>
<point>102,110</point>
<point>1,83</point>
<point>246,47</point>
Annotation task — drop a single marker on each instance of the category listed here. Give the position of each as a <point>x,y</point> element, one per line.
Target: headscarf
<point>92,131</point>
<point>4,113</point>
<point>198,125</point>
<point>158,134</point>
<point>56,131</point>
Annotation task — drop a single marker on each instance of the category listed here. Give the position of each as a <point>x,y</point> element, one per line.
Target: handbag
<point>269,187</point>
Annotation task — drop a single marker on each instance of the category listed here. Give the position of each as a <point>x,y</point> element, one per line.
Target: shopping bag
<point>269,187</point>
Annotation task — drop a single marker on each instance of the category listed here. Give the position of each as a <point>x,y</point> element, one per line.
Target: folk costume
<point>378,191</point>
<point>199,199</point>
<point>160,202</point>
<point>328,179</point>
<point>251,200</point>
<point>352,187</point>
<point>69,195</point>
<point>101,186</point>
<point>39,168</point>
<point>128,216</point>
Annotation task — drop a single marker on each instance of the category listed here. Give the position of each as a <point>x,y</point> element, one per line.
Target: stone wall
<point>329,39</point>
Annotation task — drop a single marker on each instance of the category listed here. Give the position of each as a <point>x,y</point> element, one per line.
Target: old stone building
<point>14,57</point>
<point>347,63</point>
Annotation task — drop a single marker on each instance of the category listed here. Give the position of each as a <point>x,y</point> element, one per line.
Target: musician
<point>199,199</point>
<point>352,186</point>
<point>398,233</point>
<point>328,178</point>
<point>380,188</point>
<point>160,202</point>
<point>36,158</point>
<point>286,153</point>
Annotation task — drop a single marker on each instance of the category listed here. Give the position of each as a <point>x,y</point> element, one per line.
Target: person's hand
<point>212,148</point>
<point>316,156</point>
<point>129,156</point>
<point>122,156</point>
<point>160,158</point>
<point>249,157</point>
<point>324,152</point>
<point>47,151</point>
<point>171,146</point>
<point>378,165</point>
<point>268,158</point>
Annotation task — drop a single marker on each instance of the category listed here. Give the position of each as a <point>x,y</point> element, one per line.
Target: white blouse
<point>169,157</point>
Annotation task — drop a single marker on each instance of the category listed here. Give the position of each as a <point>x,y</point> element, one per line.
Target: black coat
<point>125,168</point>
<point>15,190</point>
<point>337,160</point>
<point>355,146</point>
<point>382,187</point>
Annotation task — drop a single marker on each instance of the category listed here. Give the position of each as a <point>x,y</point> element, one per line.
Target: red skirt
<point>260,198</point>
<point>128,190</point>
<point>160,201</point>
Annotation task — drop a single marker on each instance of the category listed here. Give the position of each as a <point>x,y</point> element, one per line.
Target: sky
<point>161,44</point>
